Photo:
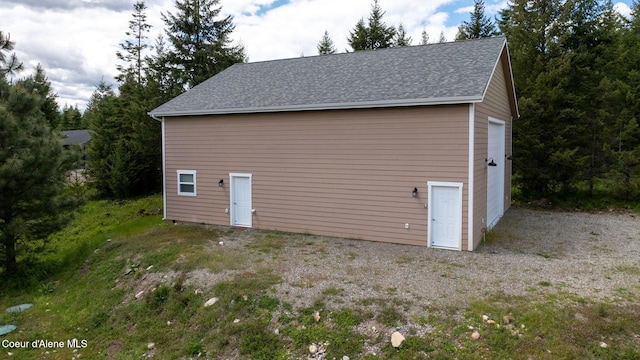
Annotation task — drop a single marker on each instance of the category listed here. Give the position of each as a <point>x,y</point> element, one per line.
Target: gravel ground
<point>594,256</point>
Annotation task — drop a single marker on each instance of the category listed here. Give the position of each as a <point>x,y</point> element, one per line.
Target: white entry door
<point>241,200</point>
<point>445,215</point>
<point>495,172</point>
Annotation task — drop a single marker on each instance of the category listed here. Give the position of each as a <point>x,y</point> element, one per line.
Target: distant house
<point>407,145</point>
<point>79,137</point>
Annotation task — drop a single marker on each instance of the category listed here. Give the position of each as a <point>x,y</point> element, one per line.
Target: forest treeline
<point>576,68</point>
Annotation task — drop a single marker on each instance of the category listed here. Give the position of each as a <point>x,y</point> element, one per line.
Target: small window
<point>187,182</point>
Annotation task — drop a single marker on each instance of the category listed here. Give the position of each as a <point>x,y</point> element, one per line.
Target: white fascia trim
<point>331,106</point>
<point>513,84</point>
<point>505,47</point>
<point>470,234</point>
<point>493,71</point>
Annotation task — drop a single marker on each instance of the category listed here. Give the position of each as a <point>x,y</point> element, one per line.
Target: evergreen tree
<point>200,41</point>
<point>39,84</point>
<point>137,158</point>
<point>325,46</point>
<point>569,69</point>
<point>102,116</point>
<point>442,38</point>
<point>134,49</point>
<point>479,26</point>
<point>401,38</point>
<point>11,65</point>
<point>33,174</point>
<point>71,119</point>
<point>530,27</point>
<point>424,40</point>
<point>159,76</point>
<point>617,99</point>
<point>359,37</point>
<point>376,34</point>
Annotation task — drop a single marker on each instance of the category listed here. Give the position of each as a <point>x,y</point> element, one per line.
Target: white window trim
<point>187,172</point>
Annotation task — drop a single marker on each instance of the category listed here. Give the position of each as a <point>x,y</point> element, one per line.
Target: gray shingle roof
<point>456,72</point>
<point>76,137</point>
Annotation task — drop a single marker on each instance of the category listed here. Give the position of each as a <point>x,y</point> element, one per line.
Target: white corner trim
<point>472,128</point>
<point>164,171</point>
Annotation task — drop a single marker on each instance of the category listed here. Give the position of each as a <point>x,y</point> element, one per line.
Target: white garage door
<point>495,173</point>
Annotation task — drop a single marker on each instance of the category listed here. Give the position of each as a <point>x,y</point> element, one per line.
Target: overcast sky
<point>75,41</point>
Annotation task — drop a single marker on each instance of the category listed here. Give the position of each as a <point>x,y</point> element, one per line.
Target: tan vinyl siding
<point>499,105</point>
<point>345,173</point>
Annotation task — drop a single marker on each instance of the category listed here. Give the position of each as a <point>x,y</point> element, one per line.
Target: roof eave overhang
<point>316,107</point>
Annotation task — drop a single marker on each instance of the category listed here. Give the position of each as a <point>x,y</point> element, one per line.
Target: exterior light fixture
<point>491,162</point>
<point>414,193</point>
<point>509,157</point>
<point>221,183</point>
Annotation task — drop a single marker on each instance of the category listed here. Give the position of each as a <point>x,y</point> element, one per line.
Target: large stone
<point>396,339</point>
<point>211,301</point>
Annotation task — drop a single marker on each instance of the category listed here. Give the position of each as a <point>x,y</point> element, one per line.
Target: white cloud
<point>623,9</point>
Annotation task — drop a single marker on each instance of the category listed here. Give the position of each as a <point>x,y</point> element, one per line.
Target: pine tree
<point>71,119</point>
<point>134,49</point>
<point>39,84</point>
<point>401,38</point>
<point>200,41</point>
<point>442,38</point>
<point>572,86</point>
<point>102,114</point>
<point>11,65</point>
<point>424,40</point>
<point>376,34</point>
<point>359,37</point>
<point>33,174</point>
<point>159,77</point>
<point>479,26</point>
<point>530,28</point>
<point>325,46</point>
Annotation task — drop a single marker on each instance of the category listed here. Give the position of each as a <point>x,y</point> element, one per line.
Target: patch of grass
<point>628,269</point>
<point>390,316</point>
<point>403,260</point>
<point>269,243</point>
<point>333,291</point>
<point>412,347</point>
<point>335,331</point>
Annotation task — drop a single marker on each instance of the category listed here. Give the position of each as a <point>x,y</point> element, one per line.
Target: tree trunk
<point>10,256</point>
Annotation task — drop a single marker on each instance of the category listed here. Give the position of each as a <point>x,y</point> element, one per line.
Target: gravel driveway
<point>594,256</point>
